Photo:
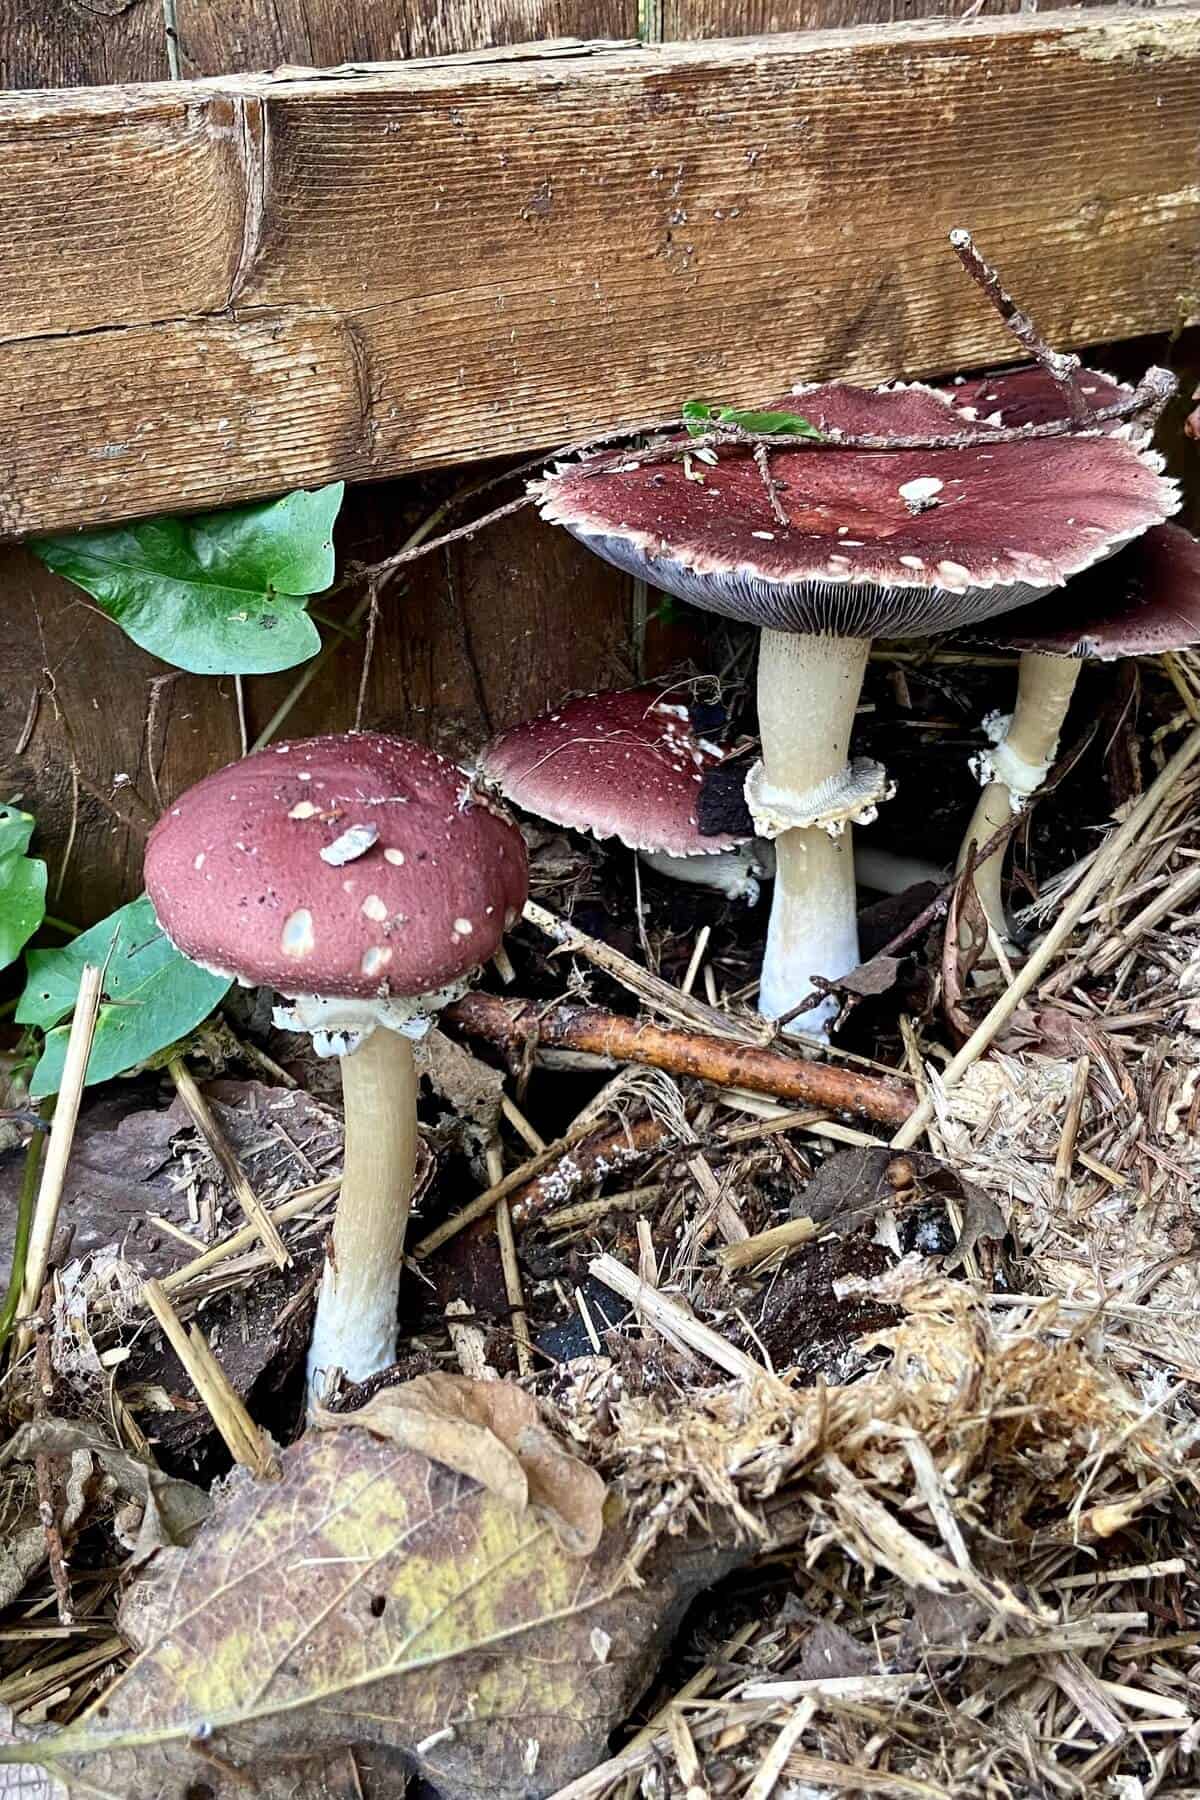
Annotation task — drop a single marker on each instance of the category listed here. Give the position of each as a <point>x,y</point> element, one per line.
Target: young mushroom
<point>627,764</point>
<point>365,880</point>
<point>1145,602</point>
<point>871,542</point>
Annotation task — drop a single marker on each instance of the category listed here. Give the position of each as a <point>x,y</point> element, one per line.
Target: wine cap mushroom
<point>363,876</point>
<point>895,543</point>
<point>1145,601</point>
<point>902,542</point>
<point>625,764</point>
<point>366,878</point>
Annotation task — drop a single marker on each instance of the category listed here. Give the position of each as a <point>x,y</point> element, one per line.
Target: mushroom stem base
<point>355,1328</point>
<point>808,689</point>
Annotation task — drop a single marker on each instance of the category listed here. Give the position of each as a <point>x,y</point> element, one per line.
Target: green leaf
<point>700,416</point>
<point>22,884</point>
<point>152,995</point>
<point>218,593</point>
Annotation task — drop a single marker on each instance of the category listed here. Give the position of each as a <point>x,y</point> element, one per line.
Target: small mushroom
<point>903,543</point>
<point>1145,602</point>
<point>364,948</point>
<point>626,764</point>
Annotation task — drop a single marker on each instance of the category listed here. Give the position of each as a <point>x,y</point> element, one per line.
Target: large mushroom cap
<point>1142,603</point>
<point>361,866</point>
<point>905,542</point>
<point>625,764</point>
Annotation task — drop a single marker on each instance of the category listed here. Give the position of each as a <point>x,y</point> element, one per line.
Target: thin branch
<point>1061,367</point>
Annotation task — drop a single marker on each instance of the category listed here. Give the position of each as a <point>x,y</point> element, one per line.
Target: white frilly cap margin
<point>852,797</point>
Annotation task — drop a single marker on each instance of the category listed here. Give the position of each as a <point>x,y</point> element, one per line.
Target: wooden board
<point>295,279</point>
<point>478,639</point>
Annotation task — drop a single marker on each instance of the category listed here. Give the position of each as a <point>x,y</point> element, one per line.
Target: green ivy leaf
<point>700,416</point>
<point>22,884</point>
<point>152,995</point>
<point>219,593</point>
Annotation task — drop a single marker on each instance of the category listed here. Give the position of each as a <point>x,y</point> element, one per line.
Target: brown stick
<point>604,1154</point>
<point>720,1060</point>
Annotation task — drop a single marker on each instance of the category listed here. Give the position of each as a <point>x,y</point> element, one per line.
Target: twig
<point>1061,367</point>
<point>25,1205</point>
<point>243,1439</point>
<point>307,1200</point>
<point>651,989</point>
<point>62,1136</point>
<point>673,1320</point>
<point>1096,879</point>
<point>202,1118</point>
<point>766,1244</point>
<point>1145,404</point>
<point>1065,1156</point>
<point>368,655</point>
<point>485,1203</point>
<point>47,1486</point>
<point>510,1267</point>
<point>719,1060</point>
<point>788,1736</point>
<point>592,1159</point>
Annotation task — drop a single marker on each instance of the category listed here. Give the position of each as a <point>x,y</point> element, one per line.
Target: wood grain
<point>416,266</point>
<point>473,642</point>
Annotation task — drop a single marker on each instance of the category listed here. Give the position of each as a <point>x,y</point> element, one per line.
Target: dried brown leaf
<point>172,1510</point>
<point>372,1596</point>
<point>493,1432</point>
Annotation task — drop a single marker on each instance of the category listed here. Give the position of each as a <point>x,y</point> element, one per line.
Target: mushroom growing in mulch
<point>365,879</point>
<point>1145,602</point>
<point>627,764</point>
<point>902,542</point>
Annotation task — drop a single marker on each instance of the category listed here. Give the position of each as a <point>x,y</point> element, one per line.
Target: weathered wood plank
<point>474,643</point>
<point>407,267</point>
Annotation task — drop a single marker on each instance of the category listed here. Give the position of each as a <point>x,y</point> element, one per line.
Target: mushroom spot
<point>395,857</point>
<point>297,938</point>
<point>463,927</point>
<point>303,809</point>
<point>954,574</point>
<point>199,862</point>
<point>913,562</point>
<point>920,488</point>
<point>375,908</point>
<point>377,957</point>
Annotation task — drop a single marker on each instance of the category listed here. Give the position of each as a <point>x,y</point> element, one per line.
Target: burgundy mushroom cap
<point>1142,603</point>
<point>901,542</point>
<point>1029,395</point>
<point>625,764</point>
<point>361,866</point>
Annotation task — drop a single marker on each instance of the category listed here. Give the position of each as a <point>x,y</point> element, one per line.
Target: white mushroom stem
<point>808,689</point>
<point>1017,767</point>
<point>355,1328</point>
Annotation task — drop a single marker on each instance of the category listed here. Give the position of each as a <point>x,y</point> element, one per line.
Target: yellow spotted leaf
<point>373,1597</point>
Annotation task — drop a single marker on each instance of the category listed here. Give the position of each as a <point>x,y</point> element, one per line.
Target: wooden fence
<point>225,287</point>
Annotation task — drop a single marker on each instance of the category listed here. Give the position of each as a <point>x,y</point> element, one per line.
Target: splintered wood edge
<point>240,285</point>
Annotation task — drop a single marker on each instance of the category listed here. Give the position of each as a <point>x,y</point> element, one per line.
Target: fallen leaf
<point>876,976</point>
<point>316,1778</point>
<point>855,1185</point>
<point>493,1432</point>
<point>172,1510</point>
<point>372,1596</point>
